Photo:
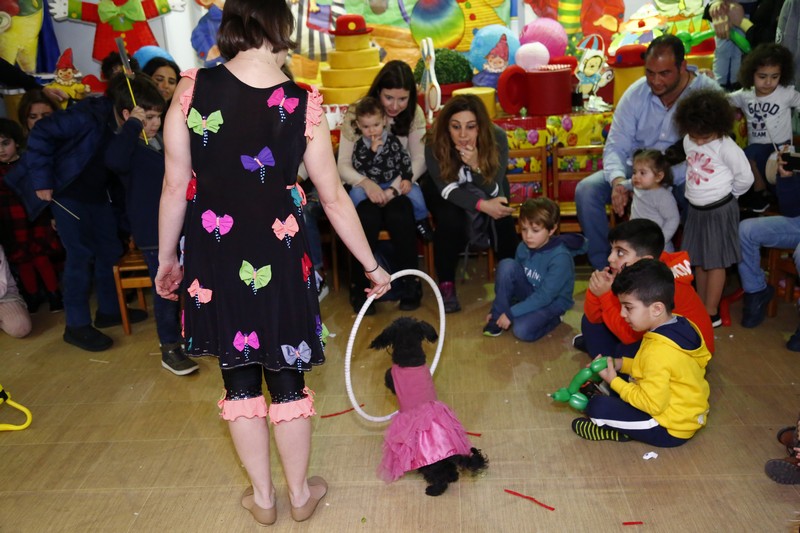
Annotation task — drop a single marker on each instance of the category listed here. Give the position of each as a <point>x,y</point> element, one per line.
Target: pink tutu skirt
<point>422,436</point>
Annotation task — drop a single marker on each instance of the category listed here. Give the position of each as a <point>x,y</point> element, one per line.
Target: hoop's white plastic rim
<point>354,331</point>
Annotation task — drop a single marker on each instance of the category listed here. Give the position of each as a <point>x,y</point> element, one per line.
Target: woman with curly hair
<point>466,157</point>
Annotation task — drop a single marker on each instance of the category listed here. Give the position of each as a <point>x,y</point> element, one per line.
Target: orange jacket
<point>606,308</point>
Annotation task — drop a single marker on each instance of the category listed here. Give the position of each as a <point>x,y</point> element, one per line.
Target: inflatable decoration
<point>548,32</point>
<point>691,40</point>
<point>571,394</point>
<point>531,56</point>
<point>441,20</point>
<point>544,91</point>
<point>493,50</point>
<point>144,54</point>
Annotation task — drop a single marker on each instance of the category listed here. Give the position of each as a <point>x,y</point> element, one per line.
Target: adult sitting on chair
<point>771,232</point>
<point>643,119</point>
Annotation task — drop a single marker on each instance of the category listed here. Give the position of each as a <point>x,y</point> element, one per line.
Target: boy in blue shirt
<point>140,167</point>
<point>534,289</point>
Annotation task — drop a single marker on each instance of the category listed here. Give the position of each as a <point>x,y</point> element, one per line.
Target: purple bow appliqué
<point>296,355</point>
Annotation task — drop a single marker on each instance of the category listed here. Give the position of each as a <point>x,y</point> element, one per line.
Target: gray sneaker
<point>174,360</point>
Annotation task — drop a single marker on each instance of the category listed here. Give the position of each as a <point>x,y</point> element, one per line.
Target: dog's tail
<point>476,462</point>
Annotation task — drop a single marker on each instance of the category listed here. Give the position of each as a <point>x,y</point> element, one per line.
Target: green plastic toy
<point>735,35</point>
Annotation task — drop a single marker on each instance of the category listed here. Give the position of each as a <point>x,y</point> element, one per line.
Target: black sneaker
<point>757,202</point>
<point>579,343</point>
<point>586,429</point>
<point>32,302</point>
<point>425,230</point>
<point>411,292</point>
<point>174,359</point>
<point>716,320</point>
<point>491,329</point>
<point>793,343</point>
<point>55,301</point>
<point>87,338</point>
<point>102,320</point>
<point>755,306</point>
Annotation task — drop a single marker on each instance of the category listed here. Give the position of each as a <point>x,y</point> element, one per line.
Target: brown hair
<point>248,24</point>
<point>541,211</point>
<point>397,74</point>
<point>657,162</point>
<point>444,150</point>
<point>367,107</point>
<point>31,97</point>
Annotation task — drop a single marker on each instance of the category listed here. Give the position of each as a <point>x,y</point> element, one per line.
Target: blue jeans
<point>600,340</point>
<point>592,195</point>
<point>358,195</point>
<point>727,60</point>
<point>613,412</point>
<point>167,312</point>
<point>92,250</point>
<point>512,286</point>
<point>769,232</point>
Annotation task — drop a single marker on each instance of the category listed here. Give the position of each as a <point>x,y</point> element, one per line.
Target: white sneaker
<point>323,292</point>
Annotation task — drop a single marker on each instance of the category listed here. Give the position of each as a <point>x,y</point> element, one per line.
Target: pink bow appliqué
<point>242,342</point>
<point>278,98</point>
<point>218,225</point>
<point>200,294</point>
<point>286,230</point>
<point>292,354</point>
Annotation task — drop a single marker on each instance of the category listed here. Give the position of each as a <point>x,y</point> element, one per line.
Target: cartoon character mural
<point>116,18</point>
<point>315,20</point>
<point>20,23</point>
<point>592,71</point>
<point>204,35</point>
<point>496,63</point>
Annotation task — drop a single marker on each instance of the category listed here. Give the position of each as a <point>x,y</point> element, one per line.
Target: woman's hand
<point>168,279</point>
<point>469,155</point>
<point>375,194</point>
<point>380,281</point>
<point>404,186</point>
<point>496,207</point>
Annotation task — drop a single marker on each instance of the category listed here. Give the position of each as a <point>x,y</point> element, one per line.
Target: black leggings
<point>398,218</point>
<point>450,235</point>
<point>244,382</point>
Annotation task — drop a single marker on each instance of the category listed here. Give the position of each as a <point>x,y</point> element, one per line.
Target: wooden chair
<point>781,267</point>
<point>131,273</point>
<point>569,212</point>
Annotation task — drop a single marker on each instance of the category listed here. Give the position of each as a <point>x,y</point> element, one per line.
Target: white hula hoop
<point>354,331</point>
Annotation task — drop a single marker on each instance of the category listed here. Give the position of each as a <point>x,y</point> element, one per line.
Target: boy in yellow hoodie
<point>666,400</point>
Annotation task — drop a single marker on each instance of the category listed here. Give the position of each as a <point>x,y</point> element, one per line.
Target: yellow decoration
<point>342,95</point>
<point>486,94</point>
<point>351,77</point>
<point>347,43</point>
<point>355,59</point>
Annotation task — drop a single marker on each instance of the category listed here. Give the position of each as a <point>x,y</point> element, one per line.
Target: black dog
<point>407,440</point>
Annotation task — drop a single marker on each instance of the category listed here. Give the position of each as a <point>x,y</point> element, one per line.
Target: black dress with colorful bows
<point>250,289</point>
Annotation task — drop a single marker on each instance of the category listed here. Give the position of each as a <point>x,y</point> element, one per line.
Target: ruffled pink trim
<point>248,408</point>
<point>283,412</point>
<point>313,111</point>
<point>188,94</point>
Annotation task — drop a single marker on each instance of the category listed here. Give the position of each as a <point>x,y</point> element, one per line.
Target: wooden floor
<point>119,444</point>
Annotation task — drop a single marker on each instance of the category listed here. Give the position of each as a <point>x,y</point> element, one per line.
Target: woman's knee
<point>244,396</point>
<point>290,397</point>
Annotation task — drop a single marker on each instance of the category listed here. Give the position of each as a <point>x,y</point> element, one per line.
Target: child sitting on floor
<point>603,331</point>
<point>666,401</point>
<point>534,289</point>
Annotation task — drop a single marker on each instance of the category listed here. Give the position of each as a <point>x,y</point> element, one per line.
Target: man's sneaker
<point>425,230</point>
<point>716,320</point>
<point>755,306</point>
<point>756,202</point>
<point>174,360</point>
<point>586,429</point>
<point>784,471</point>
<point>793,343</point>
<point>102,320</point>
<point>579,343</point>
<point>491,329</point>
<point>87,338</point>
<point>448,290</point>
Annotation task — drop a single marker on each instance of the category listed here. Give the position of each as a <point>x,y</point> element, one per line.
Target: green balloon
<point>578,401</point>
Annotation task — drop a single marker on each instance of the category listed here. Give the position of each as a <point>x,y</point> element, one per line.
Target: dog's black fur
<point>405,336</point>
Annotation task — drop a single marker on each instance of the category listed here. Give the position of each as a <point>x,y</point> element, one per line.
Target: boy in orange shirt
<point>603,330</point>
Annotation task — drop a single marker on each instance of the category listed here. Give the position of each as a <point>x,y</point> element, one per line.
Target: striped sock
<point>586,429</point>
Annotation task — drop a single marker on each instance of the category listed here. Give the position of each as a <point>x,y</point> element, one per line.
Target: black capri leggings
<point>244,382</point>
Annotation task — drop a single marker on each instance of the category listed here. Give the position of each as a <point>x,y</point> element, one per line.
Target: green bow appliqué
<point>202,125</point>
<point>256,278</point>
<point>121,18</point>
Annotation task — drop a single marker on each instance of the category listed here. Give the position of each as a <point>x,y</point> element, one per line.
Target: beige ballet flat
<point>264,517</point>
<point>304,513</point>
